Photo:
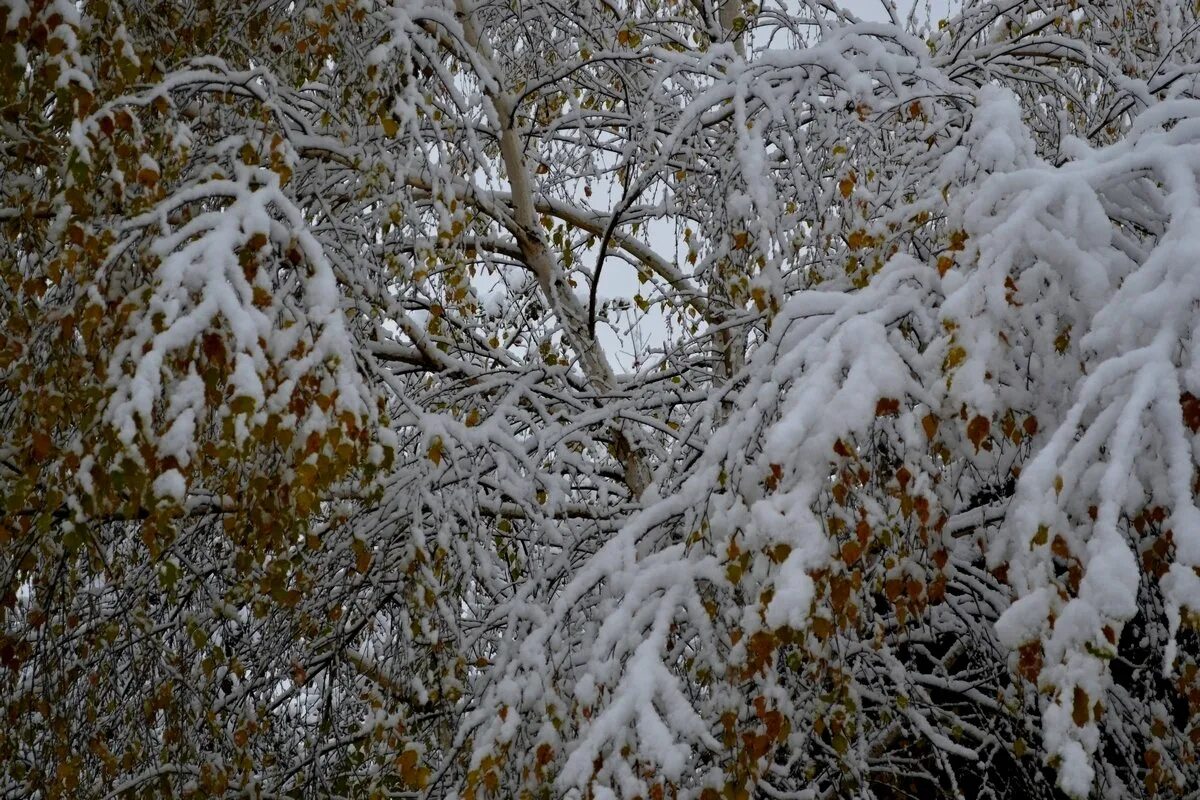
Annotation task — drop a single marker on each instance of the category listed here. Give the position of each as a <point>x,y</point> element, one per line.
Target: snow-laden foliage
<point>659,399</point>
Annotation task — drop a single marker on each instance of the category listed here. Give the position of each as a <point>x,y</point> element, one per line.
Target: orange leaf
<point>1060,547</point>
<point>892,588</point>
<point>930,423</point>
<point>978,429</point>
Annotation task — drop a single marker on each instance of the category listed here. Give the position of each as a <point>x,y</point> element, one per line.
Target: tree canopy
<point>320,474</point>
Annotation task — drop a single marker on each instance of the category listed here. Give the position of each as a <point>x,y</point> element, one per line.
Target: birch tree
<point>322,476</point>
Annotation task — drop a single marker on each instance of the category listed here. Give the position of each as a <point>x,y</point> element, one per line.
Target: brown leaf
<point>1060,547</point>
<point>41,446</point>
<point>937,589</point>
<point>1080,712</point>
<point>839,592</point>
<point>1029,662</point>
<point>846,185</point>
<point>887,407</point>
<point>213,348</point>
<point>1190,404</point>
<point>978,429</point>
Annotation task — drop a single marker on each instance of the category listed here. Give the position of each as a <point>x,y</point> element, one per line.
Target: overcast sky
<point>619,278</point>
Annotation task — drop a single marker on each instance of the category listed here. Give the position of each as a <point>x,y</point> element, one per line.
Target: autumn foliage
<point>666,400</point>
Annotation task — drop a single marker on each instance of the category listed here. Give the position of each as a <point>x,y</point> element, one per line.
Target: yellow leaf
<point>1041,537</point>
<point>362,556</point>
<point>306,475</point>
<point>858,240</point>
<point>242,404</point>
<point>846,185</point>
